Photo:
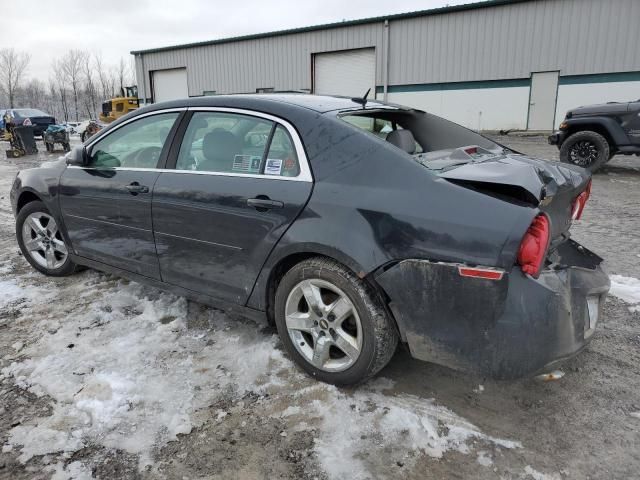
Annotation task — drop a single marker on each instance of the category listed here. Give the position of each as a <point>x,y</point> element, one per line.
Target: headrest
<point>403,139</point>
<point>221,144</point>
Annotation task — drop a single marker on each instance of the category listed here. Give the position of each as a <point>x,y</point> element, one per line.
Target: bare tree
<point>103,77</point>
<point>71,64</point>
<point>90,88</point>
<point>123,74</point>
<point>59,85</point>
<point>12,68</point>
<point>53,106</point>
<point>32,95</point>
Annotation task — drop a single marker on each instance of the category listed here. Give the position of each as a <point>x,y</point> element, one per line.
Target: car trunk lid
<point>550,186</point>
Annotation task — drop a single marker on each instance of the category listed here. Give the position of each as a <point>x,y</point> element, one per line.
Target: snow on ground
<point>125,370</point>
<point>626,289</point>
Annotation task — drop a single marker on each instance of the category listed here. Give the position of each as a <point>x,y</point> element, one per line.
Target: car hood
<point>603,108</point>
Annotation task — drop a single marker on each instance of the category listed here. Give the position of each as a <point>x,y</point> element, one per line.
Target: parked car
<point>71,127</point>
<point>39,119</point>
<point>347,238</point>
<point>590,136</point>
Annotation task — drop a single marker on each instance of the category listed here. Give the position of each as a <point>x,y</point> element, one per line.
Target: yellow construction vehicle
<point>119,106</point>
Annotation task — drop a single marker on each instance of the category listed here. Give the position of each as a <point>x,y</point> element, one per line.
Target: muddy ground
<point>104,378</point>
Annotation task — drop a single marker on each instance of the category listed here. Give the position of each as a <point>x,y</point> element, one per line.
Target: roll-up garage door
<point>349,72</point>
<point>170,84</point>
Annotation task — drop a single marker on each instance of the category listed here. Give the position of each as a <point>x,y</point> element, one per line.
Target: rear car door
<point>106,205</point>
<point>240,179</point>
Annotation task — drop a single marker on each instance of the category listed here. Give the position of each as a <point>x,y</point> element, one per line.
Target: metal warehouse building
<point>500,64</point>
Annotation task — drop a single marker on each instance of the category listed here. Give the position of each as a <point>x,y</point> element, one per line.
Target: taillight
<point>534,245</point>
<point>580,202</point>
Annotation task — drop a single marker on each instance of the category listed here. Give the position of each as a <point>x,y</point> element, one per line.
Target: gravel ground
<point>104,378</point>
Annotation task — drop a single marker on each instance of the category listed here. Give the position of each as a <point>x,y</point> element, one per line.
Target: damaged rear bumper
<point>508,328</point>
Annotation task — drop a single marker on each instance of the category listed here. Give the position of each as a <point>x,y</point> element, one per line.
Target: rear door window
<point>282,159</point>
<point>224,143</point>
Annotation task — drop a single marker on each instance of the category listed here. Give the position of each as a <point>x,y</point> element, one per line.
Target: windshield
<point>29,112</point>
<point>433,141</point>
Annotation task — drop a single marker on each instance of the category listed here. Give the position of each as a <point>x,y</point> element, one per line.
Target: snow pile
<point>13,293</point>
<point>536,475</point>
<point>626,289</point>
<point>125,372</point>
<point>353,426</point>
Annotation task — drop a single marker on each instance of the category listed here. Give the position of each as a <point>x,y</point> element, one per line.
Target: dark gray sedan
<point>351,227</point>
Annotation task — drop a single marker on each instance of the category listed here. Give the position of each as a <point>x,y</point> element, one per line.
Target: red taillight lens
<point>580,202</point>
<point>533,248</point>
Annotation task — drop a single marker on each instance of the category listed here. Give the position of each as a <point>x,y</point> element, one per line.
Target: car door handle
<point>264,203</point>
<point>135,188</point>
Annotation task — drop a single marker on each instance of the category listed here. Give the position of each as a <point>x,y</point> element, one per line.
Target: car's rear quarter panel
<point>372,205</point>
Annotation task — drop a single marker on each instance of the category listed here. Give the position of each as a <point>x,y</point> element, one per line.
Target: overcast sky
<point>46,29</point>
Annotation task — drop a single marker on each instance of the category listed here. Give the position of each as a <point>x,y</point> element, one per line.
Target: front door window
<point>135,145</point>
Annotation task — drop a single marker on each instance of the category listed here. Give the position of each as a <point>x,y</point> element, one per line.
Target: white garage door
<point>350,72</point>
<point>170,84</point>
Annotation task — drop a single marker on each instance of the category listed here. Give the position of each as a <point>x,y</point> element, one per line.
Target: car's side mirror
<point>78,157</point>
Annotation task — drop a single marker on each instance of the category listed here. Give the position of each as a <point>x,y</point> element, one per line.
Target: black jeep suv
<point>590,136</point>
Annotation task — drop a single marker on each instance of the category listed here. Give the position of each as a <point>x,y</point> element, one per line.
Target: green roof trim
<point>599,78</point>
<point>362,21</point>
<point>436,87</point>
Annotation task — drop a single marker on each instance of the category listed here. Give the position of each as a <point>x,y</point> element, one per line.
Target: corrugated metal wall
<point>282,62</point>
<point>573,36</point>
<point>501,42</point>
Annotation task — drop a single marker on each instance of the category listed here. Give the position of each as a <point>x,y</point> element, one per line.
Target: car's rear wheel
<point>41,241</point>
<point>332,323</point>
<point>585,149</point>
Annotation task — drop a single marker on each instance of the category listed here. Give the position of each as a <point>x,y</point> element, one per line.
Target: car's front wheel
<point>332,323</point>
<point>586,149</point>
<point>41,241</point>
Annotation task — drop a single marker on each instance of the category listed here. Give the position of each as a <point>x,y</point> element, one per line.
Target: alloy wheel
<point>323,325</point>
<point>43,241</point>
<point>583,153</point>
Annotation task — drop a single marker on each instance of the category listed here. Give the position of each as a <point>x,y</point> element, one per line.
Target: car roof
<point>317,103</point>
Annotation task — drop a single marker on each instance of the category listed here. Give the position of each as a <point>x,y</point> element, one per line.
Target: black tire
<point>66,147</point>
<point>379,334</point>
<point>586,149</point>
<point>67,268</point>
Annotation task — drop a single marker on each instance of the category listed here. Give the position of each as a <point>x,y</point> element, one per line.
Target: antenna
<point>362,101</point>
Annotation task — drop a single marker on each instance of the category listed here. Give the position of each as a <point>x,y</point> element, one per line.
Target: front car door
<point>106,205</point>
<point>240,179</point>
<point>631,123</point>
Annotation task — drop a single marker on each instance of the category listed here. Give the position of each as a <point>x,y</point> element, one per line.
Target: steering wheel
<point>145,157</point>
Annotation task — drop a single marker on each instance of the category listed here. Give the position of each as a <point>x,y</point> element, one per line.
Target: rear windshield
<point>428,138</point>
<point>29,112</point>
